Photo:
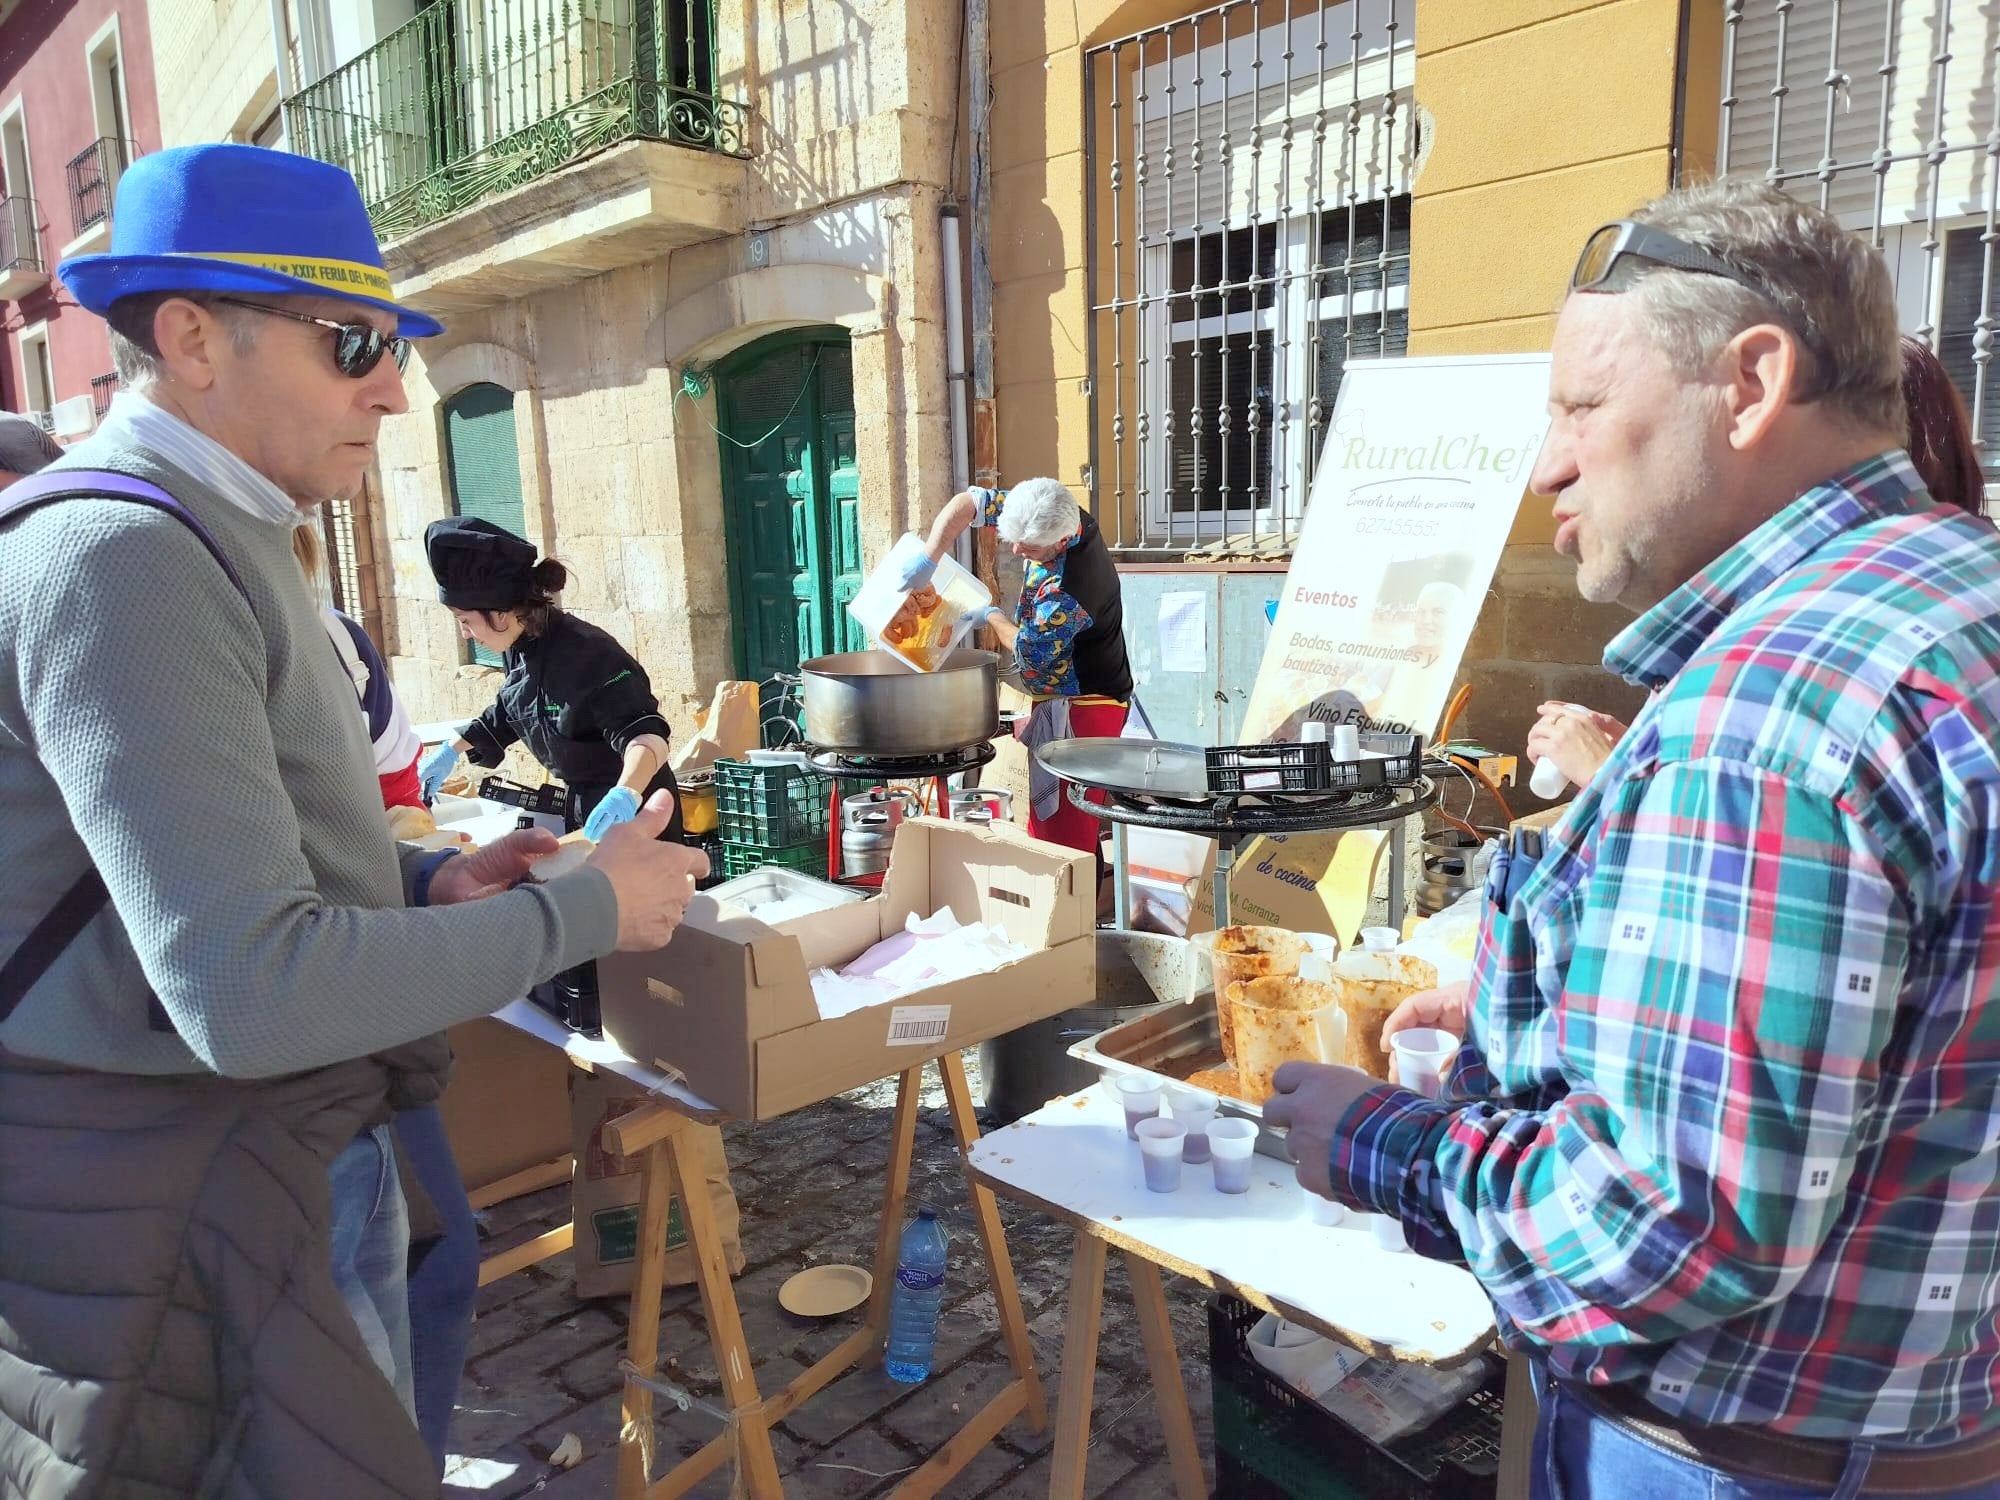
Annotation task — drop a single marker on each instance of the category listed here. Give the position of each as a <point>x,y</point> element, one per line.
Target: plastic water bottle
<point>913,1310</point>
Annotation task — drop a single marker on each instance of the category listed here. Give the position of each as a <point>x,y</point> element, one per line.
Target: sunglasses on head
<point>1612,247</point>
<point>357,347</point>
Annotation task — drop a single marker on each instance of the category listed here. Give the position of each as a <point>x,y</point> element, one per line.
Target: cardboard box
<point>507,1108</point>
<point>728,1003</point>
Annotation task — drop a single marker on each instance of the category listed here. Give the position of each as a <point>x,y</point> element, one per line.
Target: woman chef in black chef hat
<point>576,698</point>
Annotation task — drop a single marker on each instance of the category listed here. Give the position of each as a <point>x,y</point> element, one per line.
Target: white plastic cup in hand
<point>1548,781</point>
<point>1230,1142</point>
<point>1160,1145</point>
<point>1388,1232</point>
<point>1197,1112</point>
<point>1421,1053</point>
<point>1141,1099</point>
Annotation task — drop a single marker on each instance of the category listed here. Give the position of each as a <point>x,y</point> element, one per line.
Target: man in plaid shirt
<point>1723,1141</point>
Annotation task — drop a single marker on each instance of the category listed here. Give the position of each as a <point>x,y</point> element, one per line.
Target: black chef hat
<point>478,565</point>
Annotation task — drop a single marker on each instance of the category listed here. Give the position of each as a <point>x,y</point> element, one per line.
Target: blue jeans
<point>1583,1454</point>
<point>444,1277</point>
<point>371,1249</point>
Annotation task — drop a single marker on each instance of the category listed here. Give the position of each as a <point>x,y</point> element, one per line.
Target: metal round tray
<point>1132,768</point>
<point>1229,816</point>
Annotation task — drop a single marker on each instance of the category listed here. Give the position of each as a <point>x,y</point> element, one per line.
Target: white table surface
<point>1073,1154</point>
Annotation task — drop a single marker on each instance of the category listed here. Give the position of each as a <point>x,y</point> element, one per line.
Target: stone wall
<point>621,470</point>
<point>214,68</point>
<point>1506,197</point>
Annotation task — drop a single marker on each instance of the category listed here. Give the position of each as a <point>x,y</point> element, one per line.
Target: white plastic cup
<point>1346,742</point>
<point>1141,1098</point>
<point>1230,1142</point>
<point>1380,939</point>
<point>1197,1112</point>
<point>1321,951</point>
<point>1421,1054</point>
<point>1388,1233</point>
<point>1160,1143</point>
<point>1323,1211</point>
<point>1313,732</point>
<point>1548,781</point>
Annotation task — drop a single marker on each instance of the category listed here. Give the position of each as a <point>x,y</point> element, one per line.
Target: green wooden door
<point>792,495</point>
<point>485,465</point>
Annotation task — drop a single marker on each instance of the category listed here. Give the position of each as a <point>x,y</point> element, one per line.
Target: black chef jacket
<point>576,699</point>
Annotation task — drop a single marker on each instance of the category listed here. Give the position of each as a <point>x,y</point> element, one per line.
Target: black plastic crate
<point>776,806</point>
<point>1404,755</point>
<point>548,798</point>
<point>711,845</point>
<point>1307,766</point>
<point>1270,1441</point>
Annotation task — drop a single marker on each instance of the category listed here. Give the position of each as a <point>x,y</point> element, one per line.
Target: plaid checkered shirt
<point>1728,1121</point>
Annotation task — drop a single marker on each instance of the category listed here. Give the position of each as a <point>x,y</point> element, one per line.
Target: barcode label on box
<point>918,1025</point>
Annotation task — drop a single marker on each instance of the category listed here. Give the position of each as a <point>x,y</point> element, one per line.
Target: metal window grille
<point>1250,170</point>
<point>343,531</point>
<point>1886,113</point>
<point>93,176</point>
<point>102,389</point>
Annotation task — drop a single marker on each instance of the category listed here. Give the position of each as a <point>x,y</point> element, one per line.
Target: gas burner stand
<point>1230,821</point>
<point>842,766</point>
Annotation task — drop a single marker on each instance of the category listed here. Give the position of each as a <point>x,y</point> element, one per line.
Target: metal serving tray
<point>1169,1043</point>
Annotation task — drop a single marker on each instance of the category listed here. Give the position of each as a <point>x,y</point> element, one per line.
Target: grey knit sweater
<point>206,754</point>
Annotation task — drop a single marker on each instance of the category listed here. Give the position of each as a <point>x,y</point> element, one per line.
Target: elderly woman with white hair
<point>1067,630</point>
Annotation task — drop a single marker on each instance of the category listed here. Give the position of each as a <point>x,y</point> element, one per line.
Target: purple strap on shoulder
<point>45,488</point>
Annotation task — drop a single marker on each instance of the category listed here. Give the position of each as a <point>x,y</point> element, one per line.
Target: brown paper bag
<point>728,729</point>
<point>604,1194</point>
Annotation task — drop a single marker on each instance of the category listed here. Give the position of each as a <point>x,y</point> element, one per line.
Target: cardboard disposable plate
<point>826,1291</point>
<point>573,850</point>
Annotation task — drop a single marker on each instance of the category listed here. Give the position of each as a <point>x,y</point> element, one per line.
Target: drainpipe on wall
<point>985,434</point>
<point>280,50</point>
<point>955,374</point>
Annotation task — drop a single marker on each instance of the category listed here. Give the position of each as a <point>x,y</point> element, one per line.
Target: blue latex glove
<point>986,614</point>
<point>619,806</point>
<point>435,767</point>
<point>916,573</point>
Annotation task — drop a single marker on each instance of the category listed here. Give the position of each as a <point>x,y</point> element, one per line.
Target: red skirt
<point>1072,827</point>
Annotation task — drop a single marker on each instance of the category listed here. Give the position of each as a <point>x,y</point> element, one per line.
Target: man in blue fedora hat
<point>207,939</point>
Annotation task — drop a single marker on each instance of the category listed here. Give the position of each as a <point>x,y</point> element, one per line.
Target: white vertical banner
<point>1423,469</point>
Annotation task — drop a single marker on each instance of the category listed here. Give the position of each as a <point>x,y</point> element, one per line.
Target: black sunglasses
<point>1626,239</point>
<point>357,347</point>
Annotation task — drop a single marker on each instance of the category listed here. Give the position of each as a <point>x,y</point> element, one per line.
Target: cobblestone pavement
<point>544,1364</point>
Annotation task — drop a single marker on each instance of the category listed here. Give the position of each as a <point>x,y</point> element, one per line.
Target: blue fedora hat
<point>239,219</point>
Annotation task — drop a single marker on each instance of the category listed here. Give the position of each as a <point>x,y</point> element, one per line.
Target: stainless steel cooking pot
<point>868,703</point>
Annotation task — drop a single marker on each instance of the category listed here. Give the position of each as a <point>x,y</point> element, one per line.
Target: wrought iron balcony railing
<point>93,178</point>
<point>20,235</point>
<point>471,99</point>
